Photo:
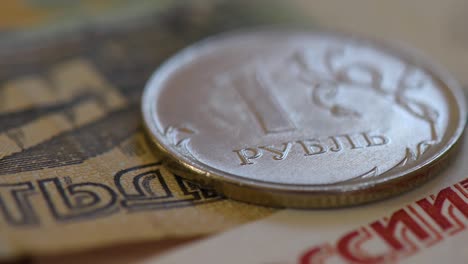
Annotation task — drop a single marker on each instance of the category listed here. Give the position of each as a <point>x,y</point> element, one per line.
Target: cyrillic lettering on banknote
<point>15,204</point>
<point>140,188</point>
<point>145,188</point>
<point>405,232</point>
<point>78,200</point>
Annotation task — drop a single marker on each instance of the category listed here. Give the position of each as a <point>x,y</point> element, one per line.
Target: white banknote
<point>426,225</point>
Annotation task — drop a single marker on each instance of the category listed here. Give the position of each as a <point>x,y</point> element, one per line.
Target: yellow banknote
<point>76,170</point>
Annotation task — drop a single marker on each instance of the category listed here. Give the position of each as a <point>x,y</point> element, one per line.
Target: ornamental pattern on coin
<point>296,118</point>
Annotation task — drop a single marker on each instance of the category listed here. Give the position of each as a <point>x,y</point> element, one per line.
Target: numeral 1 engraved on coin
<point>262,103</point>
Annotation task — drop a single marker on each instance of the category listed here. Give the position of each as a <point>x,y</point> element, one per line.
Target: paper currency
<point>75,169</point>
<point>26,15</point>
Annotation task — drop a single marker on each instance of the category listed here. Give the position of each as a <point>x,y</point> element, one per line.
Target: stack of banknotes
<point>73,149</point>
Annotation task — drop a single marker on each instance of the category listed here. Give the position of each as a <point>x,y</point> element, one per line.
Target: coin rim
<point>223,181</point>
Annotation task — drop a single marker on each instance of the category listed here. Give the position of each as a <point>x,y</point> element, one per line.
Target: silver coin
<point>303,119</point>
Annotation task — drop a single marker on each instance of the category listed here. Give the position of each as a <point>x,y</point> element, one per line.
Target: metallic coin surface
<point>303,119</point>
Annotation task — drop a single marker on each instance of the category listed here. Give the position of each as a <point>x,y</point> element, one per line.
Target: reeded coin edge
<point>320,199</point>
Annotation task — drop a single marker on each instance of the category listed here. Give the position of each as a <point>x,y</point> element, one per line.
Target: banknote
<point>76,170</point>
<point>22,17</point>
